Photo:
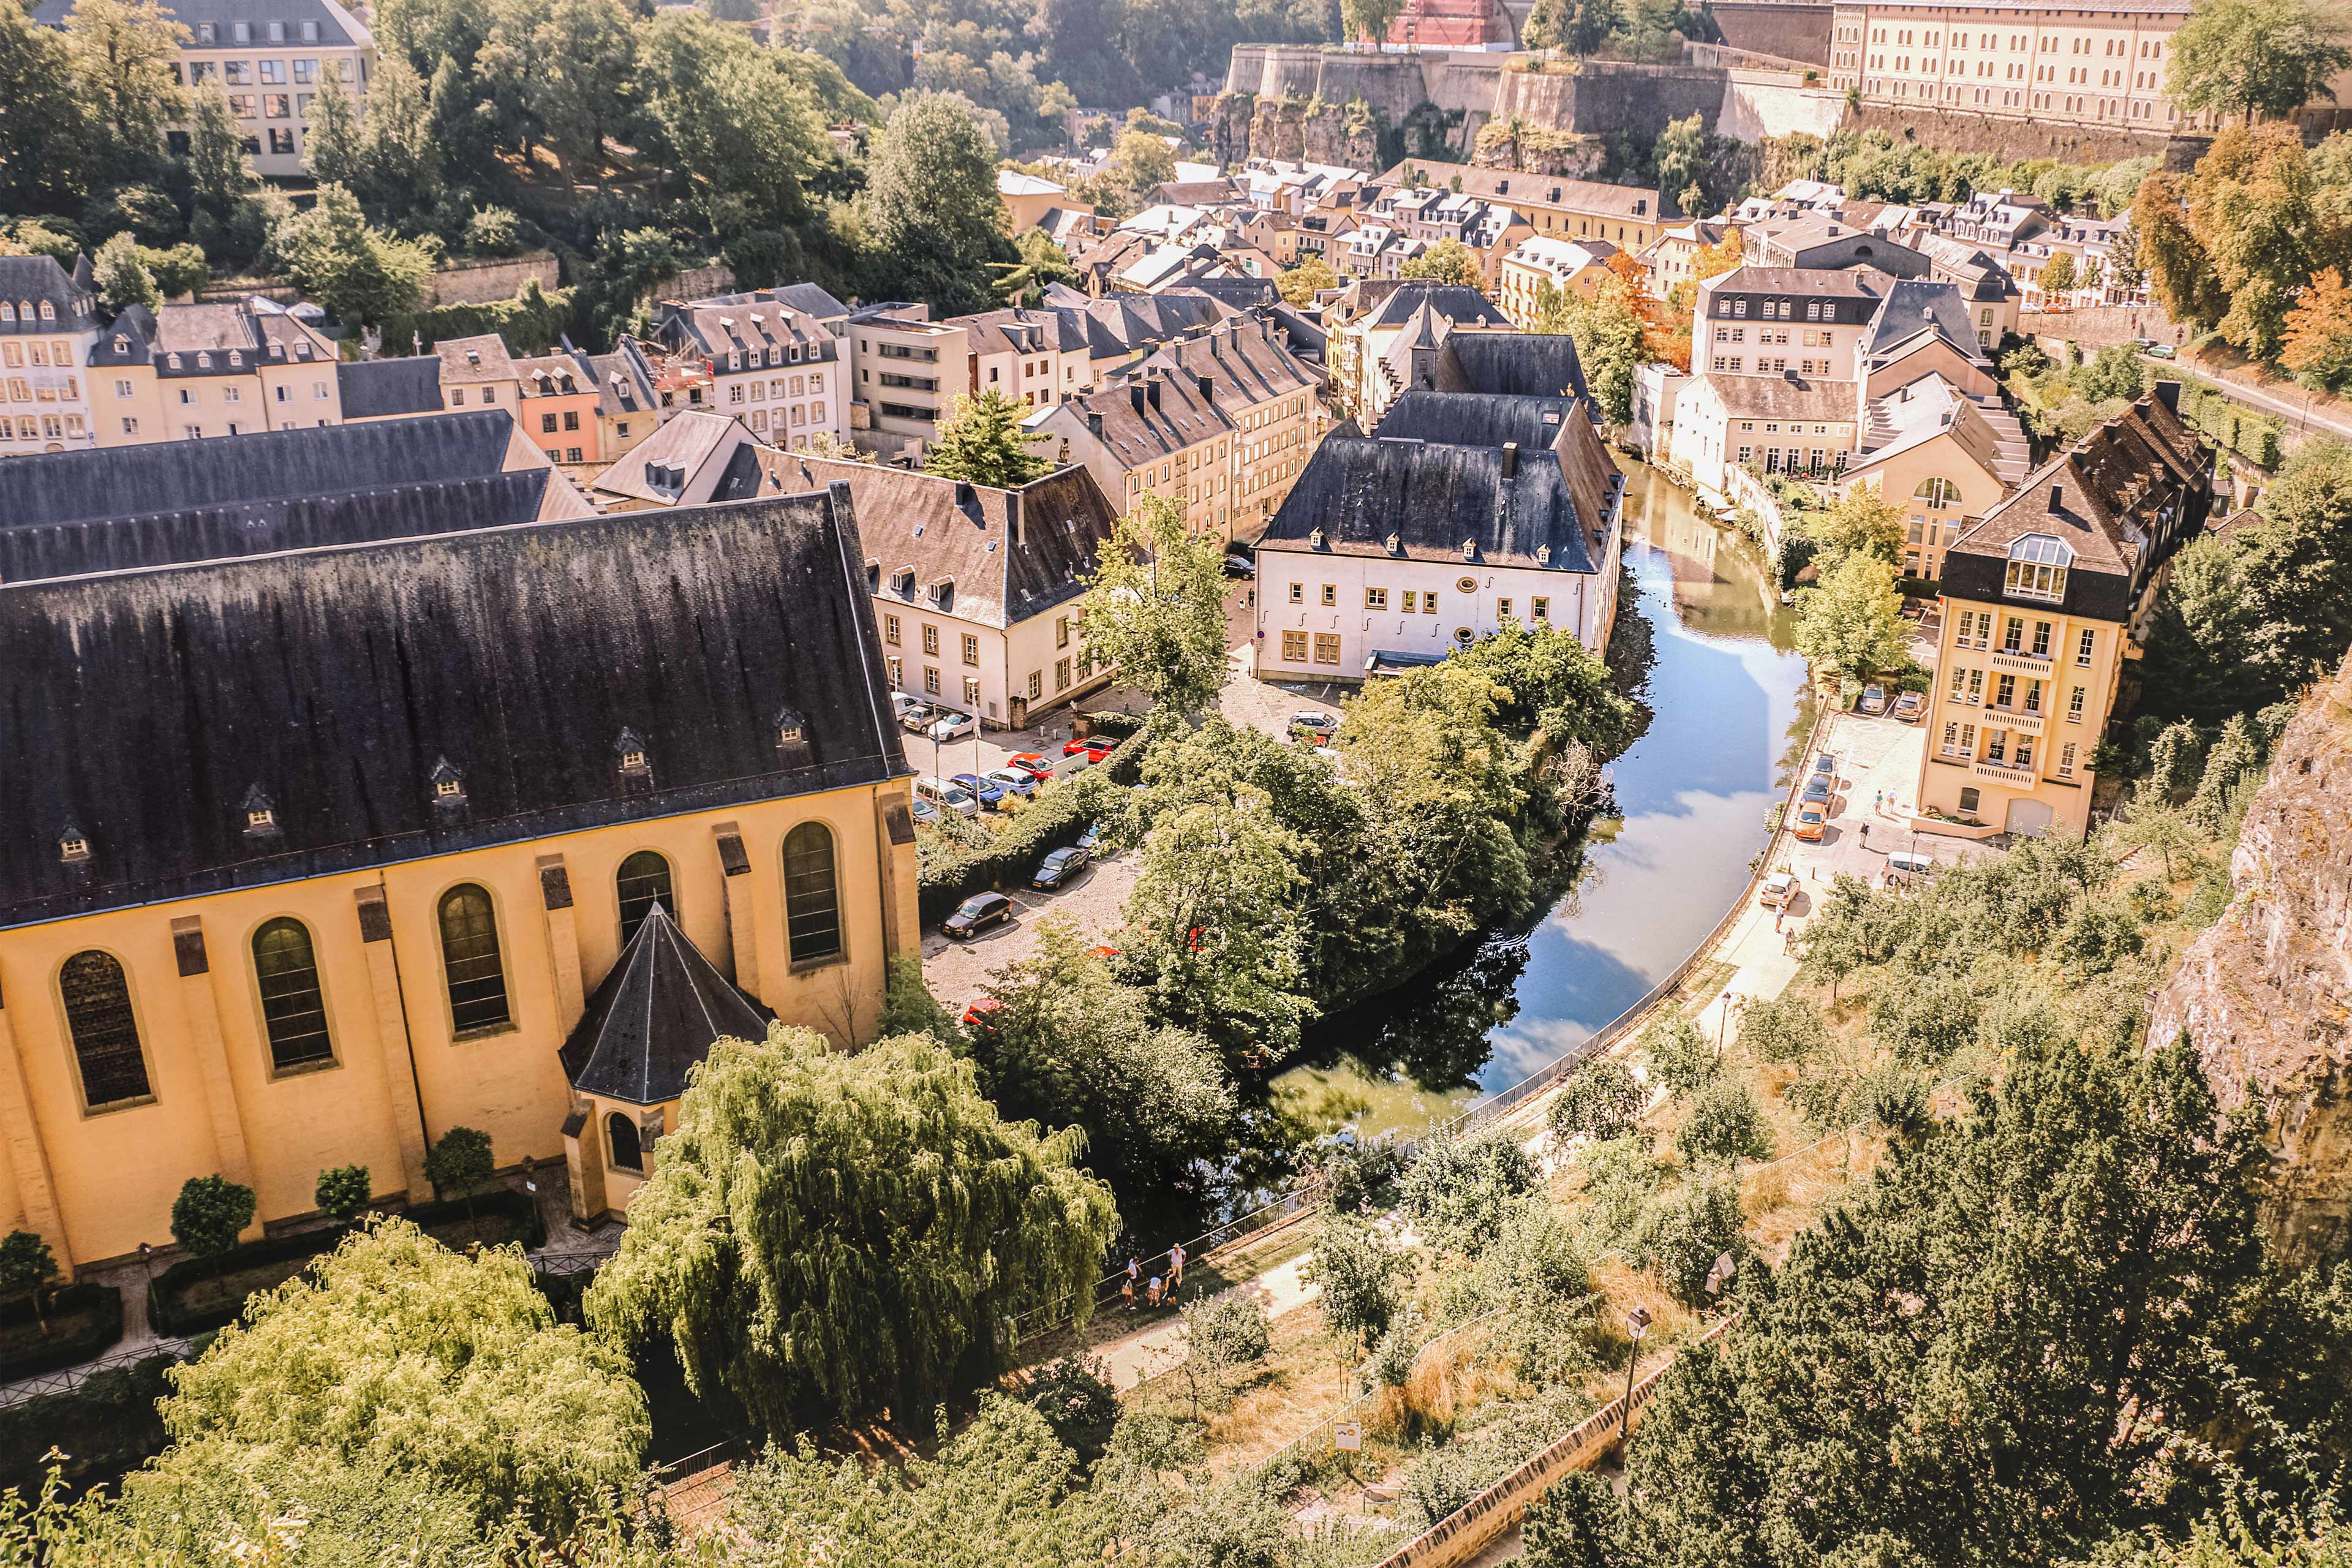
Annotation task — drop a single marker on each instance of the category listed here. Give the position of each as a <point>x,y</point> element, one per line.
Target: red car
<point>976,1017</point>
<point>1031,762</point>
<point>1095,747</point>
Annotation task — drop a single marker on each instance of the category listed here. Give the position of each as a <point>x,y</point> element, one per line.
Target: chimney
<point>2057,498</point>
<point>1510,459</point>
<point>966,498</point>
<point>1135,395</point>
<point>1208,388</point>
<point>1012,517</point>
<point>1094,423</point>
<point>1152,389</point>
<point>2169,393</point>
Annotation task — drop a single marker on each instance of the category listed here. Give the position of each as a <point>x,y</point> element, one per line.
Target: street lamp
<point>1726,1265</point>
<point>147,1264</point>
<point>1637,1323</point>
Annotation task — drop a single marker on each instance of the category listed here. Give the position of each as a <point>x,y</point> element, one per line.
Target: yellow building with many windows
<point>2043,602</point>
<point>308,858</point>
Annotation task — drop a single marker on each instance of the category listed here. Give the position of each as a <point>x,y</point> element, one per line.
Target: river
<point>1730,714</point>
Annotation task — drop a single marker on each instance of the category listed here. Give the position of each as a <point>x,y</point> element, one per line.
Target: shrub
<point>1052,821</point>
<point>1438,1483</point>
<point>1894,1101</point>
<point>1359,1270</point>
<point>1782,1028</point>
<point>493,231</point>
<point>1363,1175</point>
<point>1075,1396</point>
<point>461,1164</point>
<point>1600,1100</point>
<point>27,1267</point>
<point>1723,1126</point>
<point>1461,1190</point>
<point>1925,1018</point>
<point>1686,1231</point>
<point>1391,1359</point>
<point>343,1192</point>
<point>208,1214</point>
<point>1680,1056</point>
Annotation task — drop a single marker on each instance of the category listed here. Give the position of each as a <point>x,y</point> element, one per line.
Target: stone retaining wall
<point>490,281</point>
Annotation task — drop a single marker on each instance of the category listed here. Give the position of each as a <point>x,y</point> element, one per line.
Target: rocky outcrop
<point>2265,994</point>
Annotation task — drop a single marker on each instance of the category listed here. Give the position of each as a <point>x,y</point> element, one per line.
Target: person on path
<point>1866,836</point>
<point>1778,916</point>
<point>1175,1266</point>
<point>1126,1291</point>
<point>1154,1298</point>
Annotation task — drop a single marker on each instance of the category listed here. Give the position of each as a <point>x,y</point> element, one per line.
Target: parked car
<point>901,704</point>
<point>1091,840</point>
<point>1315,723</point>
<point>1811,821</point>
<point>946,796</point>
<point>1016,781</point>
<point>1061,868</point>
<point>1905,866</point>
<point>1908,707</point>
<point>986,791</point>
<point>1094,748</point>
<point>1825,766</point>
<point>1240,567</point>
<point>976,1017</point>
<point>2161,351</point>
<point>1779,891</point>
<point>925,811</point>
<point>917,719</point>
<point>976,914</point>
<point>1031,762</point>
<point>953,726</point>
<point>1816,791</point>
<point>1874,699</point>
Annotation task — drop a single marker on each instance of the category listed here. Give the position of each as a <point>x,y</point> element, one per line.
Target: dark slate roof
<point>1473,420</point>
<point>336,25</point>
<point>1360,490</point>
<point>1513,364</point>
<point>810,301</point>
<point>38,279</point>
<point>67,514</point>
<point>390,388</point>
<point>1913,307</point>
<point>963,533</point>
<point>1243,363</point>
<point>1241,293</point>
<point>656,1016</point>
<point>141,706</point>
<point>1457,304</point>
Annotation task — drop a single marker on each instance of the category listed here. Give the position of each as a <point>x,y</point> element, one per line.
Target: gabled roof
<point>337,679</point>
<point>1460,305</point>
<point>2096,495</point>
<point>69,513</point>
<point>38,280</point>
<point>1358,492</point>
<point>1146,417</point>
<point>464,361</point>
<point>654,1017</point>
<point>1927,410</point>
<point>688,462</point>
<point>1513,364</point>
<point>1023,331</point>
<point>1011,554</point>
<point>257,329</point>
<point>389,388</point>
<point>1785,396</point>
<point>1915,308</point>
<point>336,25</point>
<point>1241,364</point>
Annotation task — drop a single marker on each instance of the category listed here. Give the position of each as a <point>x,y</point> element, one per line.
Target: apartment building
<point>778,368</point>
<point>49,323</point>
<point>2104,67</point>
<point>1465,512</point>
<point>558,407</point>
<point>1942,458</point>
<point>1150,434</point>
<point>268,60</point>
<point>477,372</point>
<point>696,459</point>
<point>1776,320</point>
<point>1626,215</point>
<point>1410,221</point>
<point>1270,397</point>
<point>2044,601</point>
<point>979,592</point>
<point>1672,257</point>
<point>1390,335</point>
<point>186,372</point>
<point>1568,265</point>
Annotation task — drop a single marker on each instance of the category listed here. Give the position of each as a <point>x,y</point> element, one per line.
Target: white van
<point>948,796</point>
<point>1903,865</point>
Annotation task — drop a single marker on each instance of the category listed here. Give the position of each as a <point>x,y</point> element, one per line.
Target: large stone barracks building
<point>331,838</point>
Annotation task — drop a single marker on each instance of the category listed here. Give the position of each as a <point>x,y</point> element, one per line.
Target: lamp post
<point>1637,1323</point>
<point>1726,1265</point>
<point>147,1266</point>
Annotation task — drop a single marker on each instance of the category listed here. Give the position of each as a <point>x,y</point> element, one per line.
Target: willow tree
<point>847,1229</point>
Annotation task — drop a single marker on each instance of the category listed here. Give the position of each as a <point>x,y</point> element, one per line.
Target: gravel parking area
<point>959,970</point>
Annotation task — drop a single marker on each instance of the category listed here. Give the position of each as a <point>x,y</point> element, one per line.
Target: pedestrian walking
<point>1175,1266</point>
<point>1127,1292</point>
<point>1866,836</point>
<point>1778,916</point>
<point>1155,1291</point>
<point>1878,799</point>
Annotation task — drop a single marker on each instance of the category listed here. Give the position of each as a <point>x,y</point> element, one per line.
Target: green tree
<point>1601,1100</point>
<point>1782,1028</point>
<point>586,94</point>
<point>124,56</point>
<point>1369,19</point>
<point>981,441</point>
<point>461,1162</point>
<point>2232,759</point>
<point>846,1228</point>
<point>2244,58</point>
<point>177,271</point>
<point>1552,682</point>
<point>1156,608</point>
<point>1069,1044</point>
<point>1300,285</point>
<point>2148,822</point>
<point>1579,26</point>
<point>1682,160</point>
<point>1461,1189</point>
<point>1576,1523</point>
<point>1226,1336</point>
<point>27,1269</point>
<point>45,137</point>
<point>358,273</point>
<point>123,278</point>
<point>343,1192</point>
<point>2115,371</point>
<point>2058,276</point>
<point>208,1214</point>
<point>1722,1125</point>
<point>1853,622</point>
<point>740,131</point>
<point>1681,1058</point>
<point>2253,210</point>
<point>1042,264</point>
<point>1361,1272</point>
<point>395,1350</point>
<point>1684,1231</point>
<point>1861,522</point>
<point>933,222</point>
<point>331,147</point>
<point>1610,338</point>
<point>1447,261</point>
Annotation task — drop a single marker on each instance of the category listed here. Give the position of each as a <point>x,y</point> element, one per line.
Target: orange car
<point>1810,824</point>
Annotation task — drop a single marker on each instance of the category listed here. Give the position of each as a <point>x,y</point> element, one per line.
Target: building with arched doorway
<point>308,856</point>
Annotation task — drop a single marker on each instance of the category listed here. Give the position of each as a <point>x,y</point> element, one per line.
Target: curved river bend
<point>1730,717</point>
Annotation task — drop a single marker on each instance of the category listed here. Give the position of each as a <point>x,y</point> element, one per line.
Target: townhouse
<point>1628,216</point>
<point>1567,265</point>
<point>188,372</point>
<point>775,367</point>
<point>48,324</point>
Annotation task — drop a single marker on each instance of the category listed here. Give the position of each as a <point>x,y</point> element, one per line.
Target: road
<point>2299,413</point>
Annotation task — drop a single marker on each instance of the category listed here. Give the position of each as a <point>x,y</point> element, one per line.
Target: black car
<point>1816,791</point>
<point>1240,567</point>
<point>977,913</point>
<point>1825,766</point>
<point>1061,868</point>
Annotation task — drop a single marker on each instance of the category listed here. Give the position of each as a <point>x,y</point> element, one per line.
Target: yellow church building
<point>309,855</point>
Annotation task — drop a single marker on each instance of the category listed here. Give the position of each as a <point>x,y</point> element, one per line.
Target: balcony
<point>2015,718</point>
<point>2017,778</point>
<point>2022,663</point>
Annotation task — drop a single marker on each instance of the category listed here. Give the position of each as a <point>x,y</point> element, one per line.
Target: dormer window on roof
<point>260,813</point>
<point>447,783</point>
<point>1543,555</point>
<point>73,846</point>
<point>631,749</point>
<point>235,357</point>
<point>1315,539</point>
<point>791,727</point>
<point>2037,568</point>
<point>204,361</point>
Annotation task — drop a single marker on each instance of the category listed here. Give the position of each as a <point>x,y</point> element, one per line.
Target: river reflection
<point>1729,719</point>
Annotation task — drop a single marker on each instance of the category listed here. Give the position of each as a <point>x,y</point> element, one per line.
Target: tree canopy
<point>825,1227</point>
<point>1156,608</point>
<point>981,441</point>
<point>2243,57</point>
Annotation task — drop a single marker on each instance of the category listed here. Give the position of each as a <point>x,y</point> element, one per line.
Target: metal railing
<point>66,1379</point>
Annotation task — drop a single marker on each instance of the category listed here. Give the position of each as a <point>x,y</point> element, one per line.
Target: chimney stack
<point>1135,395</point>
<point>1094,423</point>
<point>1152,389</point>
<point>966,498</point>
<point>2057,498</point>
<point>1208,388</point>
<point>1510,459</point>
<point>1012,517</point>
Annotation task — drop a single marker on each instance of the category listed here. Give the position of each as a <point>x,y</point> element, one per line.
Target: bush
<point>1439,1483</point>
<point>1685,1232</point>
<point>1680,1056</point>
<point>1053,821</point>
<point>460,1163</point>
<point>343,1192</point>
<point>107,1427</point>
<point>1782,1028</point>
<point>1363,1175</point>
<point>1359,1269</point>
<point>1075,1396</point>
<point>76,1323</point>
<point>1111,722</point>
<point>1461,1190</point>
<point>208,1214</point>
<point>493,231</point>
<point>530,322</point>
<point>1600,1102</point>
<point>1723,1126</point>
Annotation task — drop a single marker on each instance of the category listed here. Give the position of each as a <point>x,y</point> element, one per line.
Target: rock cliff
<point>2266,993</point>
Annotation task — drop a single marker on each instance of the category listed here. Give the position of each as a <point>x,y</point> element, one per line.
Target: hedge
<point>1111,722</point>
<point>1053,821</point>
<point>102,1303</point>
<point>302,1246</point>
<point>106,1428</point>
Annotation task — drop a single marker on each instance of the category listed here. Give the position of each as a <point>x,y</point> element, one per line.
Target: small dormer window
<point>1543,555</point>
<point>1469,549</point>
<point>1315,539</point>
<point>902,581</point>
<point>474,357</point>
<point>172,359</point>
<point>204,361</point>
<point>1395,544</point>
<point>260,813</point>
<point>121,344</point>
<point>447,789</point>
<point>631,749</point>
<point>448,784</point>
<point>73,847</point>
<point>235,357</point>
<point>791,727</point>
